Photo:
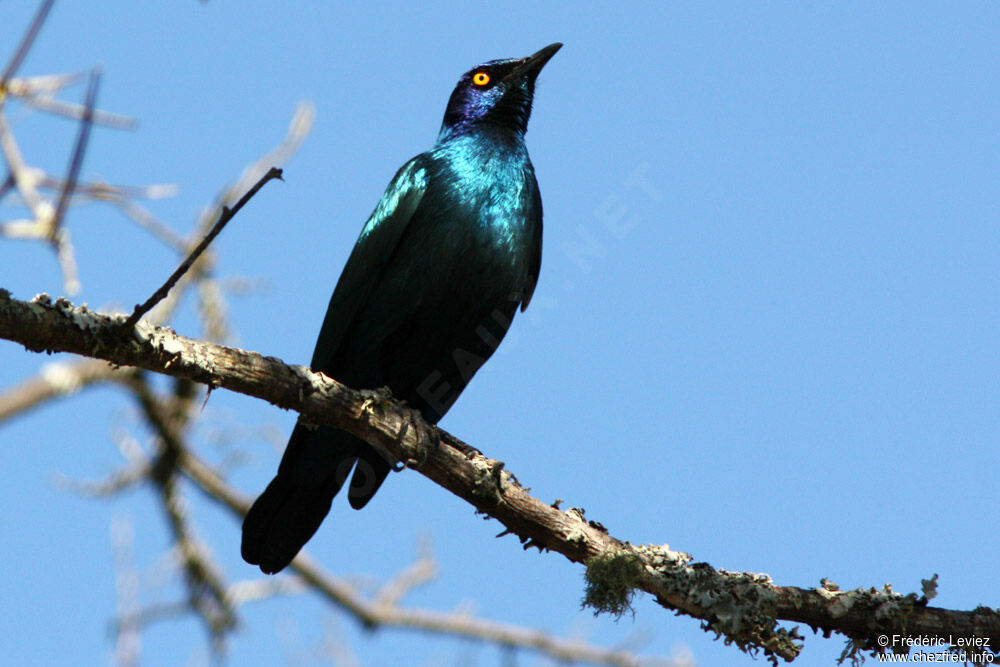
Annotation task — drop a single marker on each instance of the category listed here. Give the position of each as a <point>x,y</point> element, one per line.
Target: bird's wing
<point>374,247</point>
<point>534,218</point>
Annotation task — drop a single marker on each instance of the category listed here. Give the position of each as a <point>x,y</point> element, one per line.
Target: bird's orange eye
<point>480,78</point>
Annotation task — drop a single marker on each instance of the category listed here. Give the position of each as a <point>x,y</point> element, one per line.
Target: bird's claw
<point>426,439</point>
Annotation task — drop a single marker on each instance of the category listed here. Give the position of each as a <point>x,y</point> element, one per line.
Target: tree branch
<point>743,607</point>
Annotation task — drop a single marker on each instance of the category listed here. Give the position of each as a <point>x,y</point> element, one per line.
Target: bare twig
<point>140,216</point>
<point>55,233</point>
<point>55,380</point>
<point>25,45</point>
<point>225,216</point>
<point>76,161</point>
<point>152,614</point>
<point>7,185</point>
<point>128,642</point>
<point>123,478</point>
<point>25,179</point>
<point>41,85</point>
<point>256,590</point>
<point>67,260</point>
<point>100,191</point>
<point>75,111</point>
<point>422,571</point>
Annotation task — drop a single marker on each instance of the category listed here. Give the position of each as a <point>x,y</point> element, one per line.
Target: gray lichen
<point>487,486</point>
<point>738,606</point>
<point>611,583</point>
<point>929,587</point>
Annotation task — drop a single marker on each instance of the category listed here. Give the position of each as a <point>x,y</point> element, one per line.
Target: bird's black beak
<point>533,64</point>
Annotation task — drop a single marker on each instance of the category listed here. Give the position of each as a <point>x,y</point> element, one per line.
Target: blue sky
<point>764,333</point>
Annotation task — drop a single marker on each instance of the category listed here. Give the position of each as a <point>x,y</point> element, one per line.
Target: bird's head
<point>498,92</point>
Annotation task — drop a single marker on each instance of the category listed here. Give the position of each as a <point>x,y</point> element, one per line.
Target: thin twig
<point>67,260</point>
<point>128,642</point>
<point>71,110</point>
<point>26,42</point>
<point>100,191</point>
<point>54,380</point>
<point>119,481</point>
<point>225,216</point>
<point>22,175</point>
<point>255,590</point>
<point>41,85</point>
<point>73,173</point>
<point>7,185</point>
<point>151,614</point>
<point>142,217</point>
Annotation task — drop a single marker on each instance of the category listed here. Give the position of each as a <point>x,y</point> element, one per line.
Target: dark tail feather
<point>315,465</point>
<point>279,524</point>
<point>369,474</point>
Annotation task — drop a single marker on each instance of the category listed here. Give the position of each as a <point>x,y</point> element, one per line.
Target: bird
<point>451,252</point>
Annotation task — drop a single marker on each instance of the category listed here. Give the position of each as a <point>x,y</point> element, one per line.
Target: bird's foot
<point>427,437</point>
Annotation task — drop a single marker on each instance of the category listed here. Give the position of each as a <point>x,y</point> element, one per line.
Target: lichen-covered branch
<point>744,608</point>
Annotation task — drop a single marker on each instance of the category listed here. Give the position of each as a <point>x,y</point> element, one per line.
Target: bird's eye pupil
<point>480,78</point>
